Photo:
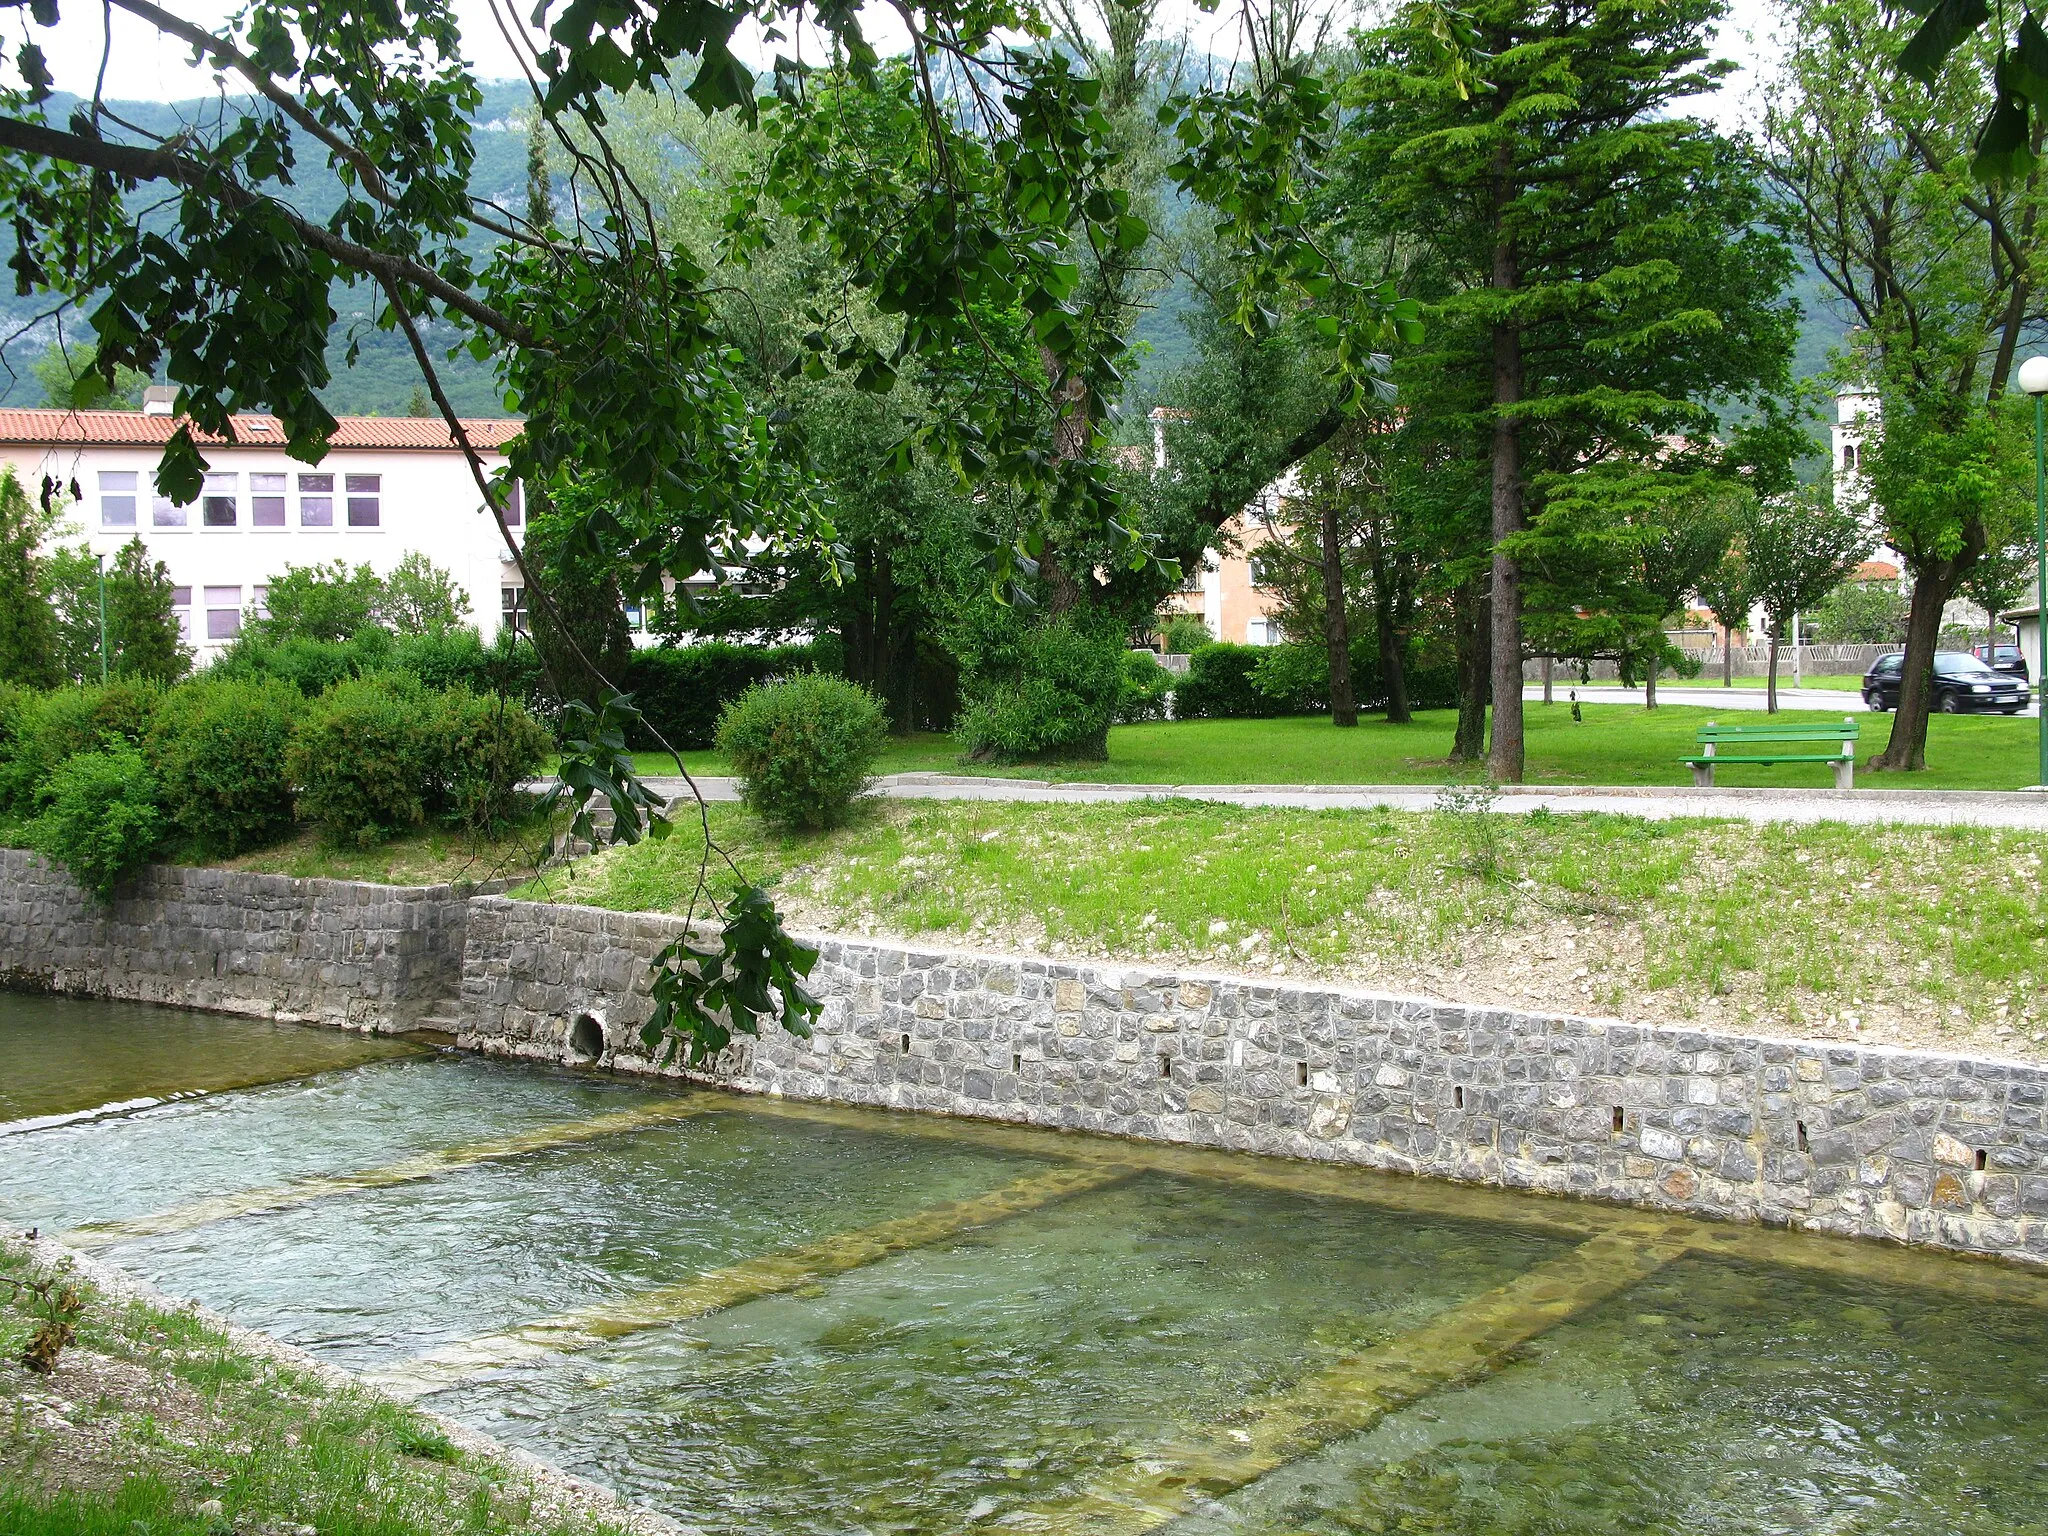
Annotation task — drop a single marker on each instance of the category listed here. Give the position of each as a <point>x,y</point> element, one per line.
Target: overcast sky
<point>140,64</point>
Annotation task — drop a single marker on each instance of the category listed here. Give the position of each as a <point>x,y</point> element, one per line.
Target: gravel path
<point>1923,807</point>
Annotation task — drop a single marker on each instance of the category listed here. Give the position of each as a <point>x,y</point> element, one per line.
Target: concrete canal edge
<point>557,1495</point>
<point>1867,1141</point>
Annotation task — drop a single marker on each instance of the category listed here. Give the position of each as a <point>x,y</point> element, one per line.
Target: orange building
<point>1229,594</point>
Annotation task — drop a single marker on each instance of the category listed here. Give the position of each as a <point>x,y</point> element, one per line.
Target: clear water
<point>63,1056</point>
<point>992,1376</point>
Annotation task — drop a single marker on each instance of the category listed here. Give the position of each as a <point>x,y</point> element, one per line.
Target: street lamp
<point>2034,380</point>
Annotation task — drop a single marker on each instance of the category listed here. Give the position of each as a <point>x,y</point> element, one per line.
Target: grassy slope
<point>153,1413</point>
<point>1924,935</point>
<point>1613,744</point>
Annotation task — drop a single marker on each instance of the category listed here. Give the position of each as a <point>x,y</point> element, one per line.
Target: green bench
<point>1774,739</point>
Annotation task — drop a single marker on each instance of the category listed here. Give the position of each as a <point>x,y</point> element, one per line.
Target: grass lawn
<point>1612,744</point>
<point>1843,683</point>
<point>427,856</point>
<point>1915,935</point>
<point>155,1424</point>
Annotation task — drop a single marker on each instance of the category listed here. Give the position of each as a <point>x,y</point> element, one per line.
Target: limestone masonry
<point>1868,1141</point>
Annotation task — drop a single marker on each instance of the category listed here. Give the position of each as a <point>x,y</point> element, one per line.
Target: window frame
<point>109,494</point>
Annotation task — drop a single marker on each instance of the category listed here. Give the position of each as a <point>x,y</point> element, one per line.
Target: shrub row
<point>108,776</point>
<point>1257,682</point>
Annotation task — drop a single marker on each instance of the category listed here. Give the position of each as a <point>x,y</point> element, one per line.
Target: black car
<point>2002,658</point>
<point>1963,685</point>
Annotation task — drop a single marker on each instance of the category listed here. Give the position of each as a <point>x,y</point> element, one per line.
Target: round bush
<point>99,817</point>
<point>1055,702</point>
<point>219,749</point>
<point>490,745</point>
<point>364,756</point>
<point>50,727</point>
<point>804,748</point>
<point>1143,689</point>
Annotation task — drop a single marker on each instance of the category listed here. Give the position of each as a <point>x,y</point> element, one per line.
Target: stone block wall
<point>1858,1140</point>
<point>369,957</point>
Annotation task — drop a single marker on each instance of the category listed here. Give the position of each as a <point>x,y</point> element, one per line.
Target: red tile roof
<point>133,428</point>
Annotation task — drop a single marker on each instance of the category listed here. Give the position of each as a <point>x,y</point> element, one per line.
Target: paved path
<point>1925,807</point>
<point>1832,700</point>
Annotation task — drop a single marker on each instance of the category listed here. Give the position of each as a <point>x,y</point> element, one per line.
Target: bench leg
<point>1702,775</point>
<point>1845,773</point>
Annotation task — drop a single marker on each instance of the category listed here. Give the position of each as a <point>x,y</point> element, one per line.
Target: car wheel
<point>1950,705</point>
<point>1873,701</point>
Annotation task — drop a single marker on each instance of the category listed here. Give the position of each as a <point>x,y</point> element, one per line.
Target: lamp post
<point>2034,380</point>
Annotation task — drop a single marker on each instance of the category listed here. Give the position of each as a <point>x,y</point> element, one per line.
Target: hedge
<point>682,690</point>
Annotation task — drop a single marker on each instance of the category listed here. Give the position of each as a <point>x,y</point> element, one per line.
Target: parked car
<point>2002,658</point>
<point>1963,685</point>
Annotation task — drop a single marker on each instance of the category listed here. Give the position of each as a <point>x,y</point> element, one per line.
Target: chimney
<point>158,399</point>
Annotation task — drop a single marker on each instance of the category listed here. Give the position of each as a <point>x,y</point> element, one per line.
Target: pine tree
<point>28,631</point>
<point>1606,276</point>
<point>143,638</point>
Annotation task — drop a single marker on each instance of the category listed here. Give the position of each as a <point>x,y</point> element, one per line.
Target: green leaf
<point>1948,23</point>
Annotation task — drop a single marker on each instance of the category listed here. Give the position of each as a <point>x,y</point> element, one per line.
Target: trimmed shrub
<point>311,665</point>
<point>803,749</point>
<point>489,745</point>
<point>364,756</point>
<point>1222,685</point>
<point>444,659</point>
<point>1055,701</point>
<point>218,750</point>
<point>1296,676</point>
<point>1143,689</point>
<point>99,817</point>
<point>1185,633</point>
<point>683,690</point>
<point>51,727</point>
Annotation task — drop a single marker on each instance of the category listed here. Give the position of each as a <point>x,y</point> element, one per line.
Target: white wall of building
<point>424,500</point>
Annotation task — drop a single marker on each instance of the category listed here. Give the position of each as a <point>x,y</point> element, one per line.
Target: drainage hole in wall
<point>1981,1159</point>
<point>1619,1118</point>
<point>906,1045</point>
<point>1301,1074</point>
<point>1458,1098</point>
<point>1799,1130</point>
<point>1016,1061</point>
<point>586,1038</point>
<point>1166,1066</point>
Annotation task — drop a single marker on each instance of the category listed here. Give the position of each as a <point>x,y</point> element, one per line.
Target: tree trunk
<point>1771,676</point>
<point>1906,752</point>
<point>1475,670</point>
<point>1393,665</point>
<point>1337,622</point>
<point>1504,758</point>
<point>1650,688</point>
<point>1549,669</point>
<point>1727,657</point>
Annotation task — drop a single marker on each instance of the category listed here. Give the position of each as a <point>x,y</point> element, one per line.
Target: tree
<point>74,588</point>
<point>143,635</point>
<point>71,380</point>
<point>321,602</point>
<point>1608,275</point>
<point>580,633</point>
<point>419,598</point>
<point>1872,155</point>
<point>1861,613</point>
<point>2002,576</point>
<point>1729,592</point>
<point>28,638</point>
<point>1796,549</point>
<point>417,403</point>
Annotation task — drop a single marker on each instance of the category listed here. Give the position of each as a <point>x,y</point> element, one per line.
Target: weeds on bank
<point>155,1421</point>
<point>1812,928</point>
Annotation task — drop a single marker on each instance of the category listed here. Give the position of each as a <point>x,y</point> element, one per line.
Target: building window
<point>259,601</point>
<point>364,499</point>
<point>217,503</point>
<point>223,612</point>
<point>181,606</point>
<point>1848,455</point>
<point>512,608</point>
<point>515,505</point>
<point>117,498</point>
<point>1261,575</point>
<point>316,501</point>
<point>636,618</point>
<point>165,513</point>
<point>266,501</point>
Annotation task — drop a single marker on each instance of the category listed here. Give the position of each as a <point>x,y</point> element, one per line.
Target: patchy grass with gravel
<point>427,856</point>
<point>1912,935</point>
<point>155,1422</point>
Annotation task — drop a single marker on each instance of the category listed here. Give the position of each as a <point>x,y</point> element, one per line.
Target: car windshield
<point>1960,666</point>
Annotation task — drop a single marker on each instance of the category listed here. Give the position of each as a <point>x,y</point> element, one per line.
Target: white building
<point>388,486</point>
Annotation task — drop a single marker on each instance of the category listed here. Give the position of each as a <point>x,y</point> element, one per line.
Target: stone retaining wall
<point>370,957</point>
<point>1857,1140</point>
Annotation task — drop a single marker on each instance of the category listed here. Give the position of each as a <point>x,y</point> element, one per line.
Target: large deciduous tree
<point>1796,548</point>
<point>1939,271</point>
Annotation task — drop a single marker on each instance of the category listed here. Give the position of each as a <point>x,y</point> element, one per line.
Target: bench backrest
<point>1845,732</point>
